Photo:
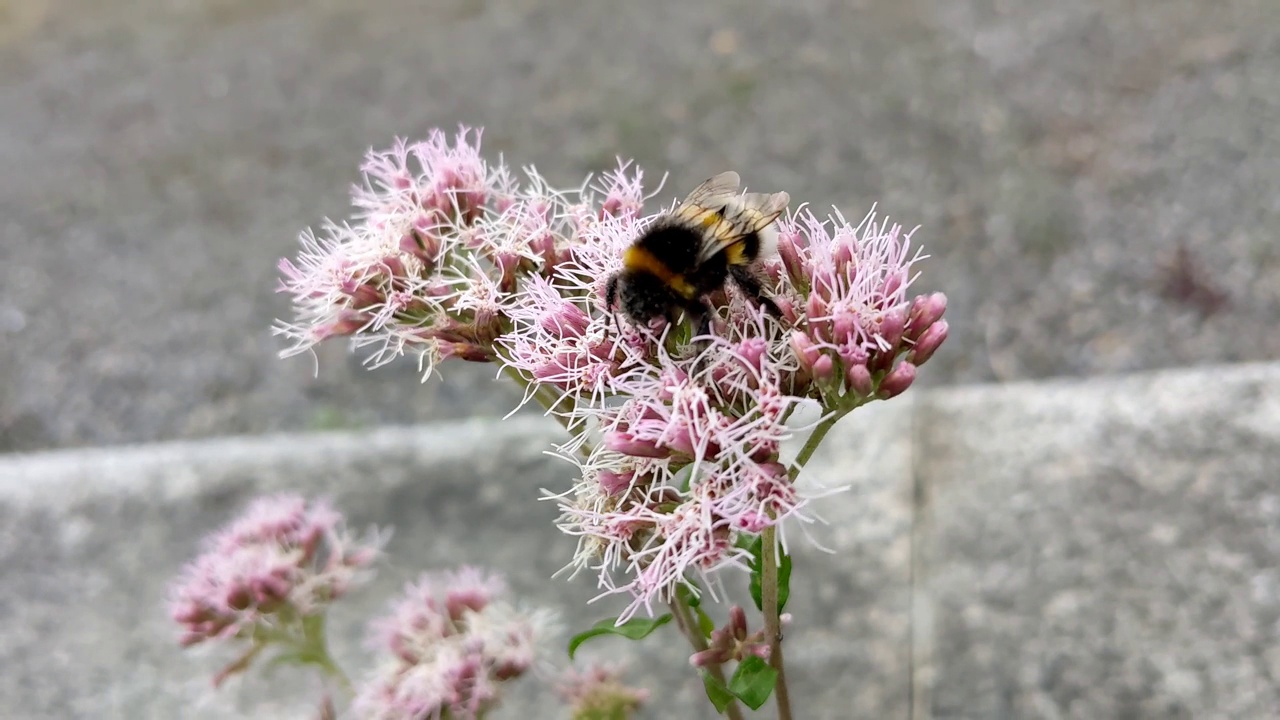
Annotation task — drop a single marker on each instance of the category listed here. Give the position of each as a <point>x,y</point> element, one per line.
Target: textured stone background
<point>1111,554</point>
<point>159,155</point>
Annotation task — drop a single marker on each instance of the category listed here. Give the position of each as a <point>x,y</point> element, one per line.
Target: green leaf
<point>683,478</point>
<point>634,629</point>
<point>753,682</point>
<point>685,593</point>
<point>705,623</point>
<point>784,581</point>
<point>717,693</point>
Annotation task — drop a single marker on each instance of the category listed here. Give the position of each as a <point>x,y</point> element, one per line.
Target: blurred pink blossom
<point>599,692</point>
<point>283,560</point>
<point>452,639</point>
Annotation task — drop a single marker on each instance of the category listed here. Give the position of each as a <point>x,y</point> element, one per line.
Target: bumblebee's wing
<point>740,217</point>
<point>701,208</point>
<point>715,191</point>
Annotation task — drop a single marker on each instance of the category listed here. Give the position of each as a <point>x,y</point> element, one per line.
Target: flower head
<point>438,240</point>
<point>452,641</point>
<point>677,438</point>
<point>598,692</point>
<point>284,560</point>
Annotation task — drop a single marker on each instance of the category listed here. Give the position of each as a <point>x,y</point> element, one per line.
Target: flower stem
<point>769,571</point>
<point>772,623</point>
<point>690,630</point>
<point>315,647</point>
<point>816,437</point>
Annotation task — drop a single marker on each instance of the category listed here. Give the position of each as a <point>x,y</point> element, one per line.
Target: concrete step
<point>1080,549</point>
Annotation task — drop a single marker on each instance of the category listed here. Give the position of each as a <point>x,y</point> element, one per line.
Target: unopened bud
<point>898,380</point>
<point>790,255</point>
<point>823,367</point>
<point>464,351</point>
<point>859,378</point>
<point>737,622</point>
<point>627,444</point>
<point>806,352</point>
<point>929,342</point>
<point>363,295</point>
<point>925,311</point>
<point>892,325</point>
<point>348,323</point>
<point>788,309</point>
<point>613,483</point>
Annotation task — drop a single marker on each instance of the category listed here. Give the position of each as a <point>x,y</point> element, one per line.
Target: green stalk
<point>815,439</point>
<point>315,648</point>
<point>772,623</point>
<point>769,571</point>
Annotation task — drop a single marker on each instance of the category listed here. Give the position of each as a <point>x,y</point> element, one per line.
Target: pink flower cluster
<point>451,641</point>
<point>283,560</point>
<point>599,692</point>
<point>679,448</point>
<point>438,240</point>
<point>856,333</point>
<point>686,465</point>
<point>678,444</point>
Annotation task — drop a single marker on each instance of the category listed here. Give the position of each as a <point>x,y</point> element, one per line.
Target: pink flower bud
<point>892,325</point>
<point>929,342</point>
<point>925,311</point>
<point>791,257</point>
<point>787,308</point>
<point>752,350</point>
<point>614,483</point>
<point>754,522</point>
<point>567,321</point>
<point>464,598</point>
<point>710,656</point>
<point>823,367</point>
<point>843,327</point>
<point>894,282</point>
<point>806,352</point>
<point>815,306</point>
<point>627,444</point>
<point>738,622</point>
<point>859,379</point>
<point>843,256</point>
<point>394,267</point>
<point>898,380</point>
<point>363,295</point>
<point>683,442</point>
<point>348,323</point>
<point>469,352</point>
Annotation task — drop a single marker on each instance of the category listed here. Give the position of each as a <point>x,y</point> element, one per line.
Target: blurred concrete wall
<point>1074,549</point>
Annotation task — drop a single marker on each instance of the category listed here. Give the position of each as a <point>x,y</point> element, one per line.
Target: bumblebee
<point>714,235</point>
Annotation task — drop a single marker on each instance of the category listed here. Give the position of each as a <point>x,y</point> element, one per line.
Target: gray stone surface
<point>1102,549</point>
<point>160,155</point>
<point>90,539</point>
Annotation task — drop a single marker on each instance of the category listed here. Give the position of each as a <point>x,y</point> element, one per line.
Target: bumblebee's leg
<point>610,292</point>
<point>699,312</point>
<point>610,295</point>
<point>751,286</point>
